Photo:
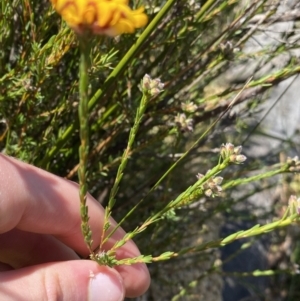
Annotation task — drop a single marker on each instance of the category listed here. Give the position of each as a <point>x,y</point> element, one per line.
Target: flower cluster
<point>110,17</point>
<point>106,258</point>
<point>184,123</point>
<point>212,186</point>
<point>228,150</point>
<point>189,107</point>
<point>294,163</point>
<point>228,50</point>
<point>294,204</point>
<point>150,86</point>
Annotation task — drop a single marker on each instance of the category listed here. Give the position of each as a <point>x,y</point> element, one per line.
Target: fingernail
<point>106,287</point>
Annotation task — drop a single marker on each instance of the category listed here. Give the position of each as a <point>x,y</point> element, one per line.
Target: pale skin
<point>41,242</point>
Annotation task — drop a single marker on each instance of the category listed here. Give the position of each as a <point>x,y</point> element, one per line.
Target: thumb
<point>68,280</point>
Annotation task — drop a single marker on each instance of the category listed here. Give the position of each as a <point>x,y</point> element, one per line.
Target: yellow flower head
<point>110,17</point>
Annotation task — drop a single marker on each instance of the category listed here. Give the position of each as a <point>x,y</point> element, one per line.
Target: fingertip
<point>106,285</point>
<point>70,280</point>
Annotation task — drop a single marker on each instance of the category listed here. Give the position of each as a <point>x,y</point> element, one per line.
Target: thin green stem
<point>185,197</point>
<point>84,139</point>
<point>138,118</point>
<point>272,173</point>
<point>204,9</point>
<point>288,218</point>
<point>256,230</point>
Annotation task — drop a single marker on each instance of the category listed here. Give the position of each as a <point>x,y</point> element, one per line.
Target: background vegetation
<point>191,46</point>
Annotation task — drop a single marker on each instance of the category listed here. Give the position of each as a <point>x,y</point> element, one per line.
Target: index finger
<point>36,201</point>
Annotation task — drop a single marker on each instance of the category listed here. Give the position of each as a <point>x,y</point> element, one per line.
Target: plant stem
<point>84,138</point>
<point>256,230</point>
<point>269,174</point>
<point>138,118</point>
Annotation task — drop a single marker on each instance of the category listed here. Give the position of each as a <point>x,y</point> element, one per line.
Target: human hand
<point>40,238</point>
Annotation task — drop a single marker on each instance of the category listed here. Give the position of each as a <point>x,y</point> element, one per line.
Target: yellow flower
<point>110,17</point>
